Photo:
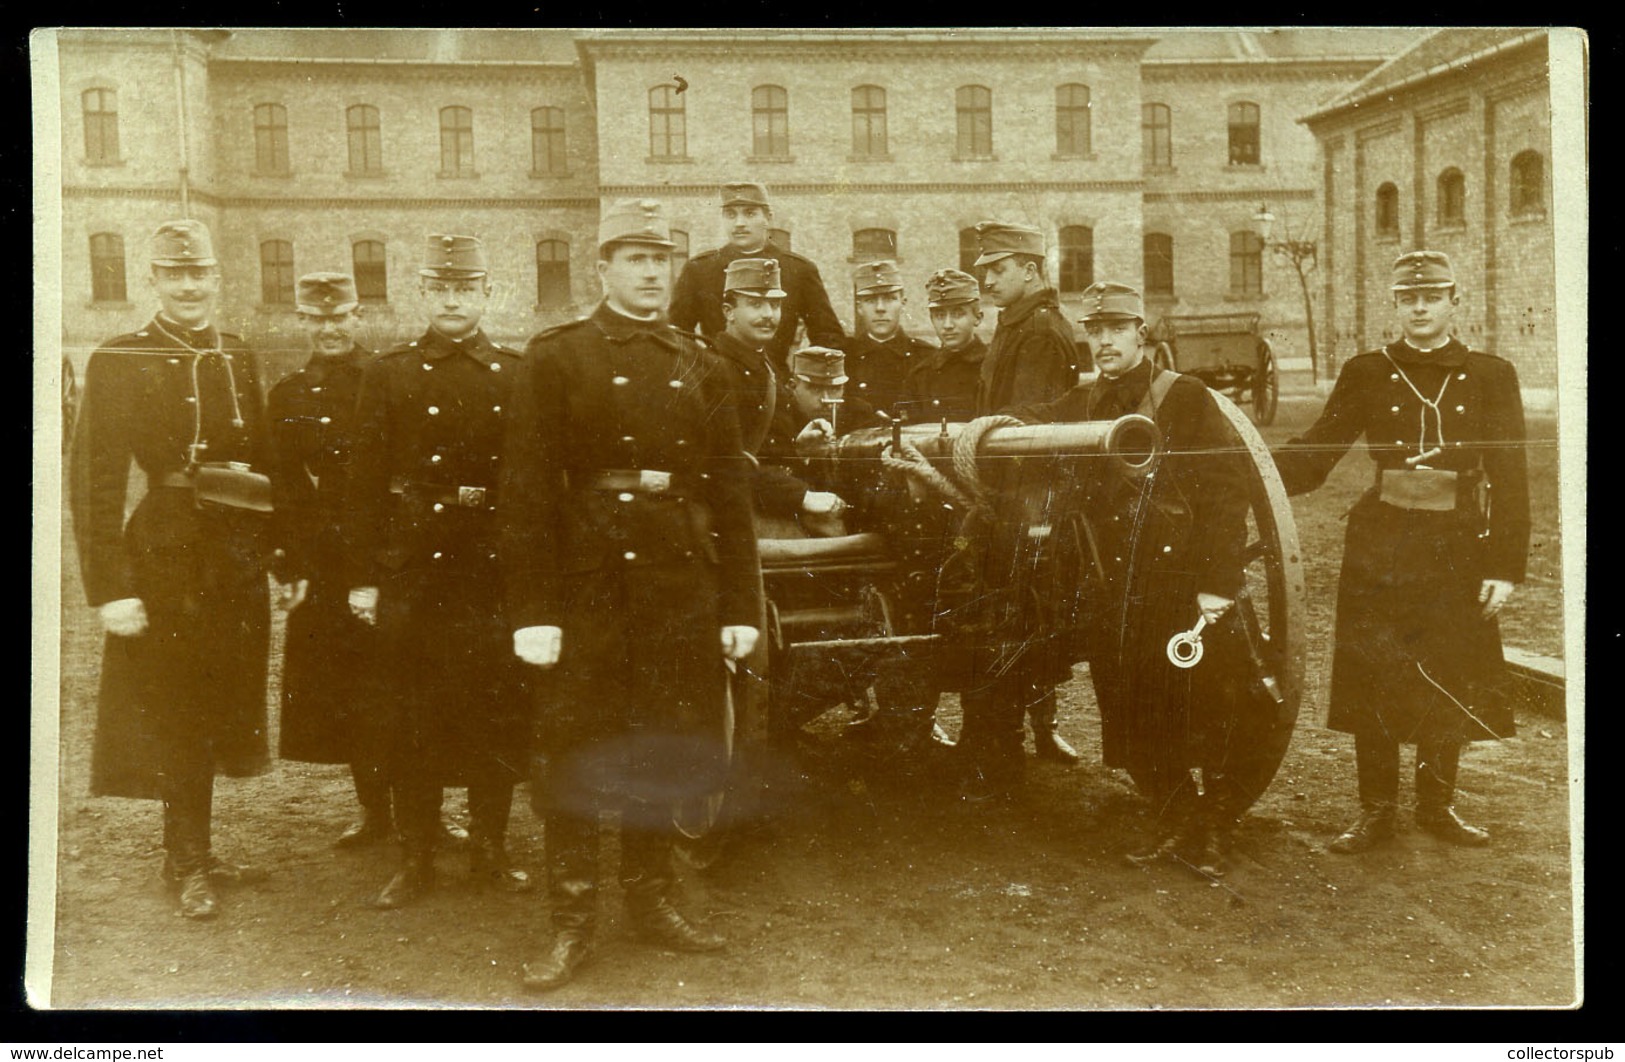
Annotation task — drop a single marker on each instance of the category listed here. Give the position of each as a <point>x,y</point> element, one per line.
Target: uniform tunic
<point>640,581</point>
<point>947,378</point>
<point>424,504</point>
<point>328,651</point>
<point>192,688</point>
<point>878,372</point>
<point>1032,357</point>
<point>1414,659</point>
<point>697,299</point>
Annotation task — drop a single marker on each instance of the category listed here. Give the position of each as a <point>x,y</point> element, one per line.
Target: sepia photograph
<point>922,519</point>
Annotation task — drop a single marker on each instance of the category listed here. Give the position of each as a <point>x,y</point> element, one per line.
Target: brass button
<point>327,420</point>
<point>439,508</point>
<point>496,366</point>
<point>434,411</point>
<point>676,383</point>
<point>620,381</point>
<point>434,459</point>
<point>629,555</point>
<point>624,496</point>
<point>438,554</point>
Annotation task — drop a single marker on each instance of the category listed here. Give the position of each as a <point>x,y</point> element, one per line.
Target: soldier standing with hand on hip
<point>631,573</point>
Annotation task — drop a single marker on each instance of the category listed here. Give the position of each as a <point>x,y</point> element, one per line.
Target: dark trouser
<point>1376,760</point>
<point>417,812</point>
<point>647,875</point>
<point>371,789</point>
<point>1041,711</point>
<point>991,739</point>
<point>188,794</point>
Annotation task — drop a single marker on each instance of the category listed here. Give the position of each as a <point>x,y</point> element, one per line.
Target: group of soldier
<point>503,566</point>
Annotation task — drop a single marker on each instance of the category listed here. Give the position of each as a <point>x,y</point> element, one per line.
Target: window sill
<point>274,307</point>
<point>1248,296</point>
<point>110,304</point>
<point>1058,157</point>
<point>870,158</point>
<point>364,175</point>
<point>1160,171</point>
<point>1449,226</point>
<point>549,175</point>
<point>1249,167</point>
<point>976,158</point>
<point>1386,237</point>
<point>558,308</point>
<point>1528,217</point>
<point>274,175</point>
<point>752,160</point>
<point>460,175</point>
<point>655,160</point>
<point>853,259</point>
<point>1162,298</point>
<point>102,164</point>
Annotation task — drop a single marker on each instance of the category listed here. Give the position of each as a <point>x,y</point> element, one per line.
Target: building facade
<point>1143,158</point>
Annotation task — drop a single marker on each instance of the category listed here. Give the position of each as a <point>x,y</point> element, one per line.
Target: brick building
<point>1143,156</point>
<point>1448,146</point>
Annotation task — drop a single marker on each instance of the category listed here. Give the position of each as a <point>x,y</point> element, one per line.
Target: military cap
<point>744,193</point>
<point>819,365</point>
<point>453,257</point>
<point>183,243</point>
<point>1423,269</point>
<point>1106,301</point>
<point>756,276</point>
<point>325,294</point>
<point>635,221</point>
<point>870,278</point>
<point>998,240</point>
<point>946,287</point>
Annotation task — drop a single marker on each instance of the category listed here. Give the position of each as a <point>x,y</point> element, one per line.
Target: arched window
<point>1528,184</point>
<point>1387,219</point>
<point>456,142</point>
<point>770,121</point>
<point>270,138</point>
<point>668,123</point>
<point>101,124</point>
<point>276,273</point>
<point>869,122</point>
<point>1246,263</point>
<point>1077,258</point>
<point>1072,120</point>
<point>870,244</point>
<point>1159,263</point>
<point>107,268</point>
<point>970,249</point>
<point>547,141</point>
<point>1244,134</point>
<point>371,278</point>
<point>679,253</point>
<point>365,137</point>
<point>1452,195</point>
<point>552,274</point>
<point>1157,136</point>
<point>973,104</point>
<point>780,238</point>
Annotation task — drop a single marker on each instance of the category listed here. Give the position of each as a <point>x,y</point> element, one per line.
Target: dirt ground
<point>872,887</point>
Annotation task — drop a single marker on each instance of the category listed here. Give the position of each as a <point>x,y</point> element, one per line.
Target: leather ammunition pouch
<point>224,485</point>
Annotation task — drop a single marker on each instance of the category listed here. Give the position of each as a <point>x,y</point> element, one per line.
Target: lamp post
<point>1301,253</point>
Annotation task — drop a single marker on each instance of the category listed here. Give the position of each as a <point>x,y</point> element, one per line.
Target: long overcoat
<point>1414,657</point>
<point>640,580</point>
<point>1032,358</point>
<point>424,507</point>
<point>328,653</point>
<point>198,675</point>
<point>697,299</point>
<point>878,371</point>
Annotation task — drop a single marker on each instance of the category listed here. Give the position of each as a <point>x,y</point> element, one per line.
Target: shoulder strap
<point>1162,382</point>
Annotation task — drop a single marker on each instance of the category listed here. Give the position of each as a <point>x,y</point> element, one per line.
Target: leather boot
<point>489,864</point>
<point>1435,788</point>
<point>648,876</point>
<point>1182,842</point>
<point>1047,744</point>
<point>572,890</point>
<point>372,828</point>
<point>411,881</point>
<point>1374,826</point>
<point>1213,857</point>
<point>571,950</point>
<point>489,805</point>
<point>198,899</point>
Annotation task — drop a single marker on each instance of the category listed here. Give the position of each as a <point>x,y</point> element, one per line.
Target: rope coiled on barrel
<point>965,489</point>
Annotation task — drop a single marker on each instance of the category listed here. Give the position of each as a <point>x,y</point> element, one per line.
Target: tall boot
<point>188,799</point>
<point>417,811</point>
<point>489,804</point>
<point>372,793</point>
<point>1435,792</point>
<point>1047,743</point>
<point>649,878</point>
<point>1376,761</point>
<point>572,890</point>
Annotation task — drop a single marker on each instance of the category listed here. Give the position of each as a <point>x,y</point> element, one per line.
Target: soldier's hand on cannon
<point>821,514</point>
<point>1494,593</point>
<point>290,596</point>
<point>1213,606</point>
<point>538,645</point>
<point>125,618</point>
<point>817,433</point>
<point>738,642</point>
<point>364,603</point>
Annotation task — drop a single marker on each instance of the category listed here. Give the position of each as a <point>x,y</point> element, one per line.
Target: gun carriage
<point>1225,352</point>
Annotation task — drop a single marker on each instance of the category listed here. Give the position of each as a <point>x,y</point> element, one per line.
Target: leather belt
<point>638,480</point>
<point>463,496</point>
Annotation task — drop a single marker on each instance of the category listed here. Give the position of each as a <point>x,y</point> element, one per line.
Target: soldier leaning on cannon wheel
<point>180,585</point>
<point>1167,549</point>
<point>1432,552</point>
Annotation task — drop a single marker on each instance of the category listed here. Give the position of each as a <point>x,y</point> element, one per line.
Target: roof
<point>1377,44</point>
<point>1445,49</point>
<point>398,45</point>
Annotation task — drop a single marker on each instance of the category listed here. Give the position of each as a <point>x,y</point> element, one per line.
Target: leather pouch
<point>1430,489</point>
<point>230,485</point>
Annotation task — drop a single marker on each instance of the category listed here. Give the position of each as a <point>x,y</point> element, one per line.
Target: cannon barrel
<point>1133,441</point>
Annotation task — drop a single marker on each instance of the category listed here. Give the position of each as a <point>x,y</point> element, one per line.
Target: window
<point>1244,134</point>
<point>1246,263</point>
<point>870,244</point>
<point>552,274</point>
<point>970,249</point>
<point>371,280</point>
<point>366,141</point>
<point>668,128</point>
<point>1528,186</point>
<point>270,138</point>
<point>456,142</point>
<point>780,238</point>
<point>276,273</point>
<point>1387,211</point>
<point>869,122</point>
<point>1452,198</point>
<point>974,106</point>
<point>547,141</point>
<point>101,125</point>
<point>1077,258</point>
<point>1072,120</point>
<point>679,253</point>
<point>1157,136</point>
<point>770,121</point>
<point>1159,263</point>
<point>107,268</point>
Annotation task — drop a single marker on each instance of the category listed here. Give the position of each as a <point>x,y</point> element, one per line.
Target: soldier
<point>423,505</point>
<point>181,586</point>
<point>944,383</point>
<point>1167,548</point>
<point>881,355</point>
<point>1032,359</point>
<point>632,576</point>
<point>697,299</point>
<point>1428,561</point>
